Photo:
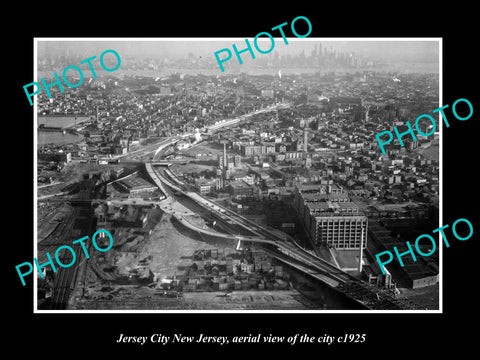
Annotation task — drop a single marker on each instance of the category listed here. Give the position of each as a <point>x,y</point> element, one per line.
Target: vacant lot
<point>432,153</point>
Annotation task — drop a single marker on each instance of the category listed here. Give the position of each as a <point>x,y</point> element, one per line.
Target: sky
<point>390,50</point>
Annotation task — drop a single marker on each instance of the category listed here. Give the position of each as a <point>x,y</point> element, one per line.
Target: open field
<point>432,153</point>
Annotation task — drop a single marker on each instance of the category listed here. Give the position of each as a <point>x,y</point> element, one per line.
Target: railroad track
<point>290,252</point>
<point>280,243</point>
<point>65,278</point>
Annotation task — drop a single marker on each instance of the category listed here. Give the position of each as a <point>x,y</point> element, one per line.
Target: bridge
<point>229,122</point>
<point>170,162</point>
<point>44,128</point>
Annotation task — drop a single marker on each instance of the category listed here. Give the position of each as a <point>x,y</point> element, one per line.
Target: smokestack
<point>225,155</point>
<point>225,160</point>
<point>361,253</point>
<point>305,140</point>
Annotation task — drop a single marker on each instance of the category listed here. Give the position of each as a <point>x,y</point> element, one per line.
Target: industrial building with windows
<point>135,185</point>
<point>330,218</point>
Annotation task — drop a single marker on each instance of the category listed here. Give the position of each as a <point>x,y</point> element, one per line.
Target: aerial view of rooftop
<point>260,187</point>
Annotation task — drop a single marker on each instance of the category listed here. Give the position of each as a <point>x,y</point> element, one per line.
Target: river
<point>400,67</point>
<point>57,138</point>
<point>61,121</point>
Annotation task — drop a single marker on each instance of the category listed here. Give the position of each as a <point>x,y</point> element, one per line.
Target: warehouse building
<point>134,185</point>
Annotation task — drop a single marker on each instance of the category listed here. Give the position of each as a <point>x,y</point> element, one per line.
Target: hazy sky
<point>386,50</point>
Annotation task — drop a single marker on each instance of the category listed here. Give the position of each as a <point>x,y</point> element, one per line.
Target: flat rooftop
<point>329,206</point>
<point>239,184</point>
<point>312,197</point>
<point>136,183</point>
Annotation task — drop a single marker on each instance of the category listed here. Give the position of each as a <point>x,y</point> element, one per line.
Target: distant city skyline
<point>389,50</point>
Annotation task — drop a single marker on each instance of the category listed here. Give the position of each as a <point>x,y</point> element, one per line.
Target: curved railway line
<point>282,247</point>
<point>262,235</point>
<point>278,245</point>
<point>269,240</point>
